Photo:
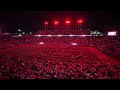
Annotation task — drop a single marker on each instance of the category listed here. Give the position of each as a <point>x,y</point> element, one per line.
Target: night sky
<point>34,20</point>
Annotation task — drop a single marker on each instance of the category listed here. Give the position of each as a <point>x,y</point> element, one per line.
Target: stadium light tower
<point>46,25</point>
<point>56,25</point>
<point>67,24</point>
<point>79,24</point>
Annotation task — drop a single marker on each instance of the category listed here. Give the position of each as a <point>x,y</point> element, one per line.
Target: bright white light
<point>49,35</point>
<point>74,44</point>
<point>83,35</point>
<point>39,35</point>
<point>41,43</point>
<point>71,35</point>
<point>19,35</point>
<point>59,35</point>
<point>112,33</point>
<point>19,30</point>
<point>63,35</point>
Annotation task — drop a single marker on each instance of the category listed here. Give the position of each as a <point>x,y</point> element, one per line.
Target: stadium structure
<point>61,54</point>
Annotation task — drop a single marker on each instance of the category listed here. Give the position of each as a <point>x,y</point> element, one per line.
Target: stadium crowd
<point>43,67</point>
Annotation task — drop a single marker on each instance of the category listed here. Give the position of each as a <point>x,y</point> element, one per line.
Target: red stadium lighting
<point>80,21</point>
<point>56,22</point>
<point>67,22</point>
<point>46,22</point>
<point>46,25</point>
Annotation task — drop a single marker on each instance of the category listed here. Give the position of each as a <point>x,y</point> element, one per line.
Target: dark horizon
<point>34,20</point>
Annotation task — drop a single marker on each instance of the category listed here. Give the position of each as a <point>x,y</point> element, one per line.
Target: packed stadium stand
<point>59,57</point>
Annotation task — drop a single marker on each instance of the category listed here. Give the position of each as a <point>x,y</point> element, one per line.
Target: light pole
<point>67,25</point>
<point>79,24</point>
<point>46,25</point>
<point>56,25</point>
